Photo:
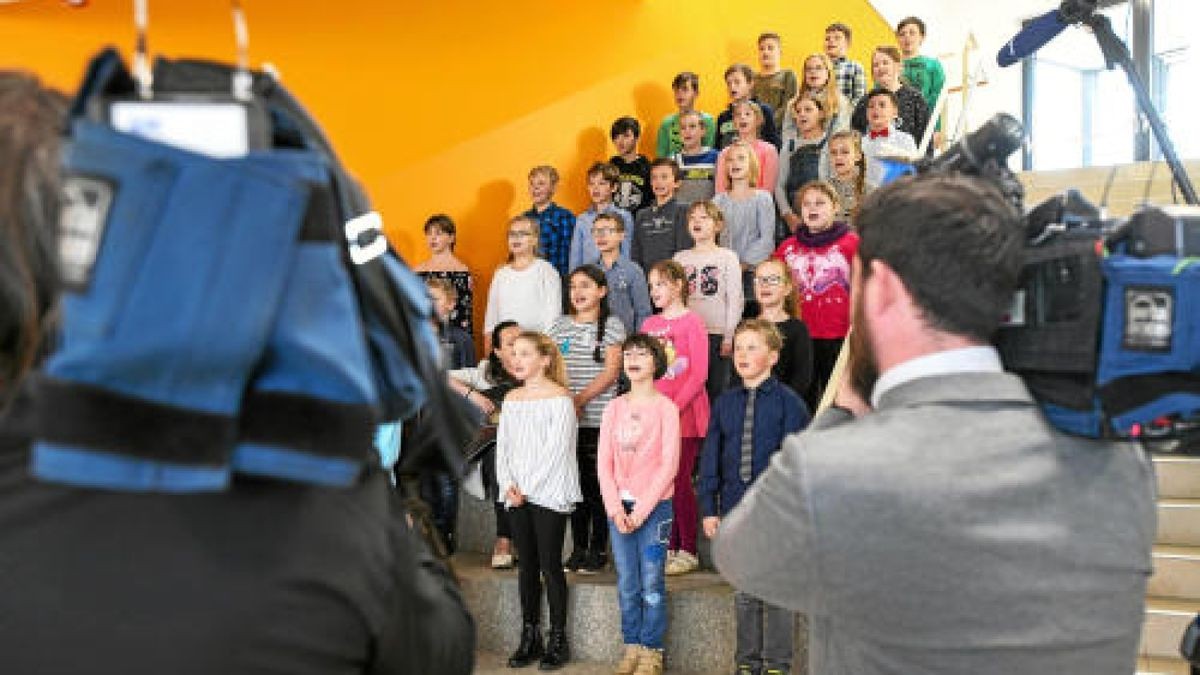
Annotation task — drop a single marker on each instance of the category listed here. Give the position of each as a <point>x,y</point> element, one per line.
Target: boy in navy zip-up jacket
<point>735,454</point>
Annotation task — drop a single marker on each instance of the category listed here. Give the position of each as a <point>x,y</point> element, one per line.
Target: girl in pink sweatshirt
<point>685,340</point>
<point>637,460</point>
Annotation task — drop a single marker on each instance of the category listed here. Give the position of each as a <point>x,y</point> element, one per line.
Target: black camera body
<point>1105,325</point>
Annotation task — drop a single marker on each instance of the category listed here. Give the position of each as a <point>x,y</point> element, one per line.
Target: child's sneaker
<point>573,563</point>
<point>592,563</point>
<point>629,660</point>
<point>684,563</point>
<point>650,662</point>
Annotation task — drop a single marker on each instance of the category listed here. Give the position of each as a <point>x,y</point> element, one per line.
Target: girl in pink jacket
<point>685,339</point>
<point>636,462</point>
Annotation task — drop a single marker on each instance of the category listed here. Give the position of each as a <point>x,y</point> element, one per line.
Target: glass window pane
<point>1083,114</point>
<point>1057,113</point>
<point>1178,71</point>
<point>1113,119</point>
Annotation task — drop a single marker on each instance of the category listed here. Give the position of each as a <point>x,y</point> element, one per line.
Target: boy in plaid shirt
<point>851,78</point>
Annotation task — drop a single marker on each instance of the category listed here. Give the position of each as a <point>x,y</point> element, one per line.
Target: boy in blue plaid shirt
<point>851,78</point>
<point>555,224</point>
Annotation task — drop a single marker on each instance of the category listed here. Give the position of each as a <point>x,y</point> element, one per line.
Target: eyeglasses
<point>603,231</point>
<point>773,280</point>
<point>517,234</point>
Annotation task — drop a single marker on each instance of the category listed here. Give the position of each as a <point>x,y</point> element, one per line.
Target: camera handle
<point>1116,53</point>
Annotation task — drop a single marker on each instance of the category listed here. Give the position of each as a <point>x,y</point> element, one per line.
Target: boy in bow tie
<point>883,139</point>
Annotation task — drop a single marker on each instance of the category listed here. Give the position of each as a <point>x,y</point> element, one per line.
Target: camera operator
<point>946,527</point>
<point>266,577</point>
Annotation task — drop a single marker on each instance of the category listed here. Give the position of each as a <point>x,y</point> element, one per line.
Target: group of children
<point>707,295</point>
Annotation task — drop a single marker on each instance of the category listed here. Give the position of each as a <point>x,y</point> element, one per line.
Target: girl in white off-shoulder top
<point>538,479</point>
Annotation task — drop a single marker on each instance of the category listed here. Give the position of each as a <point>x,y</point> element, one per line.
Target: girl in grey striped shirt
<point>539,483</point>
<point>589,338</point>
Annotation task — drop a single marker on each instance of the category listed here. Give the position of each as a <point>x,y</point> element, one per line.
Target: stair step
<point>1179,522</point>
<point>1166,620</point>
<point>1178,477</point>
<point>700,605</point>
<point>494,663</point>
<point>1158,666</point>
<point>1176,572</point>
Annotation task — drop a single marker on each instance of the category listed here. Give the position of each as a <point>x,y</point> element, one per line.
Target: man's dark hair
<point>668,162</point>
<point>914,21</point>
<point>31,119</point>
<point>625,124</point>
<point>954,240</point>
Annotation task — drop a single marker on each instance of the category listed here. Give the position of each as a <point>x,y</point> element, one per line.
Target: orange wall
<point>444,106</point>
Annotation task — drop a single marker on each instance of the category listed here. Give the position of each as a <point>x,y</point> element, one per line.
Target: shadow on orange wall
<point>495,202</point>
<point>650,99</point>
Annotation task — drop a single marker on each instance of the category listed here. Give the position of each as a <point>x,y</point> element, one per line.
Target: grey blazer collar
<point>965,387</point>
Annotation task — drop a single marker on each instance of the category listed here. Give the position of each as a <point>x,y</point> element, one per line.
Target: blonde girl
<point>539,485</point>
<point>819,257</point>
<point>714,289</point>
<point>748,121</point>
<point>526,289</point>
<point>819,81</point>
<point>776,295</point>
<point>804,157</point>
<point>847,171</point>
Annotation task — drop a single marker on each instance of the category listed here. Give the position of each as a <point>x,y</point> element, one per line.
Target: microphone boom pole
<point>1116,53</point>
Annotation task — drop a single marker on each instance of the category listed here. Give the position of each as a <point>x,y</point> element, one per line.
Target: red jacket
<point>822,279</point>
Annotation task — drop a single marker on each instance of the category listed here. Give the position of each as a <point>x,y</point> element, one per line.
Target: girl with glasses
<point>526,289</point>
<point>776,295</point>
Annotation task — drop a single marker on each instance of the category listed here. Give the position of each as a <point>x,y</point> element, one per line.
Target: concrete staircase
<point>700,629</point>
<point>700,638</point>
<point>1174,590</point>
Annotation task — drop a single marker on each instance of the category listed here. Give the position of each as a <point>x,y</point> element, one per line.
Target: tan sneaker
<point>650,662</point>
<point>683,563</point>
<point>629,660</point>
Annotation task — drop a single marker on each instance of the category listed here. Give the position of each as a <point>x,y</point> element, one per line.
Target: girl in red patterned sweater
<point>819,255</point>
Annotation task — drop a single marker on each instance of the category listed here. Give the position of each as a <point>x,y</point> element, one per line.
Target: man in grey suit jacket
<point>946,527</point>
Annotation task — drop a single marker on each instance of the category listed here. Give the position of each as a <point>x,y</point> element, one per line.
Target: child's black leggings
<point>589,522</point>
<point>825,354</point>
<point>538,533</point>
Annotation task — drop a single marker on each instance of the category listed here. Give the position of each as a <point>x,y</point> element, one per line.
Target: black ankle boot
<point>530,648</point>
<point>557,651</point>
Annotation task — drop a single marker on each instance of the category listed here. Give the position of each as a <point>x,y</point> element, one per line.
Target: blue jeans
<point>640,558</point>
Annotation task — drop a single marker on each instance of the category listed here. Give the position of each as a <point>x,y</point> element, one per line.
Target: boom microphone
<point>1037,32</point>
<point>1031,38</point>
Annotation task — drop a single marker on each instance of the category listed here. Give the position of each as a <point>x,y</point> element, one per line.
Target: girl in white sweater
<point>527,289</point>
